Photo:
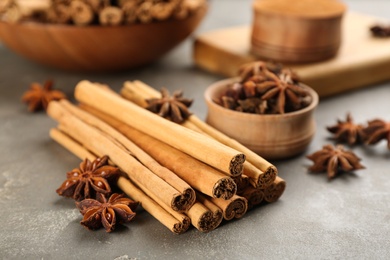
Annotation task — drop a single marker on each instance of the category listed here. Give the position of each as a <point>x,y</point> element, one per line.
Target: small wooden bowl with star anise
<point>266,109</point>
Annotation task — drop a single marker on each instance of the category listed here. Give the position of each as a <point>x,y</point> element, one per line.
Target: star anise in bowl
<point>174,108</point>
<point>347,131</point>
<point>333,160</point>
<point>249,111</point>
<point>106,212</point>
<point>90,178</point>
<point>266,88</point>
<point>38,97</point>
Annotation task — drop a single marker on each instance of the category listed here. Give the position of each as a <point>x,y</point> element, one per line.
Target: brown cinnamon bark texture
<point>152,207</point>
<point>176,222</point>
<point>195,144</point>
<point>162,172</point>
<point>236,207</point>
<point>261,172</point>
<point>242,183</point>
<point>254,196</point>
<point>97,142</point>
<point>203,218</point>
<point>275,190</point>
<point>198,175</point>
<point>81,13</point>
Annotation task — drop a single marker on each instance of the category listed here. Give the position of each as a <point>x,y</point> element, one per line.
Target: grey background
<point>347,218</point>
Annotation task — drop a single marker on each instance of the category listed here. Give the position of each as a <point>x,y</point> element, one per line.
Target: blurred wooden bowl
<point>97,48</point>
<point>277,136</point>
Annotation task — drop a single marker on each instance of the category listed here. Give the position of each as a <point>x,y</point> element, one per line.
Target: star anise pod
<point>38,97</point>
<point>106,213</point>
<point>282,88</point>
<point>347,131</point>
<point>174,108</point>
<point>87,180</point>
<point>380,31</point>
<point>334,160</point>
<point>377,130</point>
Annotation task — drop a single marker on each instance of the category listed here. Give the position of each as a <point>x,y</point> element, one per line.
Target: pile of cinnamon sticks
<point>181,174</point>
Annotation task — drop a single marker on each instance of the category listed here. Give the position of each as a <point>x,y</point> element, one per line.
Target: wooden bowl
<point>276,136</point>
<point>97,48</point>
<point>299,31</point>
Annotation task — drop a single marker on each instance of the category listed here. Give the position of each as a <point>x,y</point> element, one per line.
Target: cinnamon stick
<point>203,218</point>
<point>161,11</point>
<point>275,190</point>
<point>261,172</point>
<point>197,174</point>
<point>195,144</point>
<point>242,183</point>
<point>144,14</point>
<point>71,145</point>
<point>152,207</point>
<point>162,172</point>
<point>81,13</point>
<point>184,220</point>
<point>236,207</point>
<point>59,13</point>
<point>130,12</point>
<point>111,15</point>
<point>95,141</point>
<point>176,222</point>
<point>254,196</point>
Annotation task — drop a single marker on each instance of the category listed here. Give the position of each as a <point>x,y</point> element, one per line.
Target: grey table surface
<point>347,218</point>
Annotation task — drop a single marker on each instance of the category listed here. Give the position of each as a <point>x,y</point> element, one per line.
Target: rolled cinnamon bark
<point>184,220</point>
<point>152,207</point>
<point>198,175</point>
<point>144,14</point>
<point>176,222</point>
<point>162,172</point>
<point>242,183</point>
<point>95,141</point>
<point>269,171</point>
<point>81,13</point>
<point>111,15</point>
<point>203,218</point>
<point>261,172</point>
<point>195,144</point>
<point>71,145</point>
<point>254,196</point>
<point>236,207</point>
<point>275,190</point>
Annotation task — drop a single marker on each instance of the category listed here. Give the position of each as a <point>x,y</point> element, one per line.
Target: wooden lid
<point>311,9</point>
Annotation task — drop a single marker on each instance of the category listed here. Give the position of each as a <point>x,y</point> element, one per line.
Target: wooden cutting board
<point>362,59</point>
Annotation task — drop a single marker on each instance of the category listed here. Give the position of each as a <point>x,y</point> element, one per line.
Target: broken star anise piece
<point>174,108</point>
<point>38,97</point>
<point>89,179</point>
<point>106,213</point>
<point>334,160</point>
<point>377,130</point>
<point>347,131</point>
<point>380,31</point>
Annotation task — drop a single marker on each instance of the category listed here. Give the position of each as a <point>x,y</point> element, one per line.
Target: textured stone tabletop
<point>347,218</point>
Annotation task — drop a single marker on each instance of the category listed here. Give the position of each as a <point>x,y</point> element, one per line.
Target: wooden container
<point>97,48</point>
<point>296,31</point>
<point>276,136</point>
